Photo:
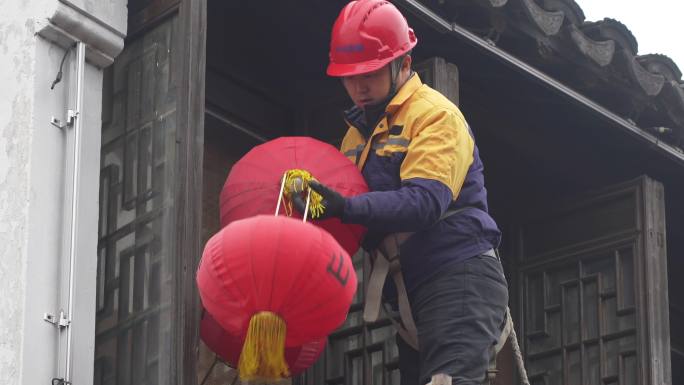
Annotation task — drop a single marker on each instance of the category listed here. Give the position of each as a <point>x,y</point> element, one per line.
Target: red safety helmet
<point>367,35</point>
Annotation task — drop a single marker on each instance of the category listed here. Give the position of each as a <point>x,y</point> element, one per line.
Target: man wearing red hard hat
<point>427,215</point>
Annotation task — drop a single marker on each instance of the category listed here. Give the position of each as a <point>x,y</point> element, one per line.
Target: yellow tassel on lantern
<point>297,182</point>
<point>263,354</point>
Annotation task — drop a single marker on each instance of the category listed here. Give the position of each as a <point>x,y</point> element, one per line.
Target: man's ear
<point>406,64</point>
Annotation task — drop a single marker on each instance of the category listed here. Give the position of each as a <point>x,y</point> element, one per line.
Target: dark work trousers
<point>459,314</point>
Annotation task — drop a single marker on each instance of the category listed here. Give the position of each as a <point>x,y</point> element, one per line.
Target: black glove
<point>332,200</point>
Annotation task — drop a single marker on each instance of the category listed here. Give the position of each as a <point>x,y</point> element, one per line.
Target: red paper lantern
<point>253,185</point>
<point>280,267</point>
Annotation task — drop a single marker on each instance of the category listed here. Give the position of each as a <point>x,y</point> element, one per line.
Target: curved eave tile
<point>548,22</point>
<point>611,45</point>
<point>573,13</point>
<point>611,29</point>
<point>600,52</point>
<point>662,65</point>
<point>673,100</point>
<point>649,82</point>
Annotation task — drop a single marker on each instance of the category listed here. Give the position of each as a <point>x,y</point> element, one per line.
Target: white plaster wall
<point>33,158</point>
<point>17,73</point>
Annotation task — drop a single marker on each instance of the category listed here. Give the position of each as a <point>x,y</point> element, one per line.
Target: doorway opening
<point>265,78</point>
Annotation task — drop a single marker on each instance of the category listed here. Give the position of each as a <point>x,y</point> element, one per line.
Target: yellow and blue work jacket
<point>419,161</point>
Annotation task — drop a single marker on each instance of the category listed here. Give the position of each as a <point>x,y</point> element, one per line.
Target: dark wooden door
<point>592,289</point>
<point>149,233</point>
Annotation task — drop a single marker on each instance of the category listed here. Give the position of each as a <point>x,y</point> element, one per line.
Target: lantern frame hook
<point>281,198</point>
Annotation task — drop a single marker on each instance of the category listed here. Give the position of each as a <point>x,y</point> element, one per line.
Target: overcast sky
<point>658,25</point>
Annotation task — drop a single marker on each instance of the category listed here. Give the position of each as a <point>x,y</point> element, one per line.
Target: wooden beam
<point>191,51</point>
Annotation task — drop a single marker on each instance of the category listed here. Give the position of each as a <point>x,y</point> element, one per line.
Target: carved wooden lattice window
<point>594,291</point>
<point>135,279</point>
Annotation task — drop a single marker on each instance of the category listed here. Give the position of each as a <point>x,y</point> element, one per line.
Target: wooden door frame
<point>190,74</point>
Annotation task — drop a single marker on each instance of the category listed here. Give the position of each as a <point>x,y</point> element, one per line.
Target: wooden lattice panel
<point>580,321</point>
<point>135,272</point>
<point>592,284</point>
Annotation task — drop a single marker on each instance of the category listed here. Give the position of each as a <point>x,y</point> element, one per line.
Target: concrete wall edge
<point>70,24</point>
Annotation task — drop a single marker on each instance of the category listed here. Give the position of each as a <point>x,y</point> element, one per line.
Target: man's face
<point>369,88</point>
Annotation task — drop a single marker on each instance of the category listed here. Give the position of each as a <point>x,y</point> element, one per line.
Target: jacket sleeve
<point>436,163</point>
<point>416,205</point>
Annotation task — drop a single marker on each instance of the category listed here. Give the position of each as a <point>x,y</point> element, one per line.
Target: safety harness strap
<point>411,331</point>
<point>371,309</point>
<point>492,371</point>
<point>386,261</point>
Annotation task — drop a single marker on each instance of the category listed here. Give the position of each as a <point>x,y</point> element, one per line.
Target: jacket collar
<point>405,92</point>
<point>356,117</point>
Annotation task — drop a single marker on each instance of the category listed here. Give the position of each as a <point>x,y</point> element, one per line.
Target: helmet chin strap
<point>395,70</point>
